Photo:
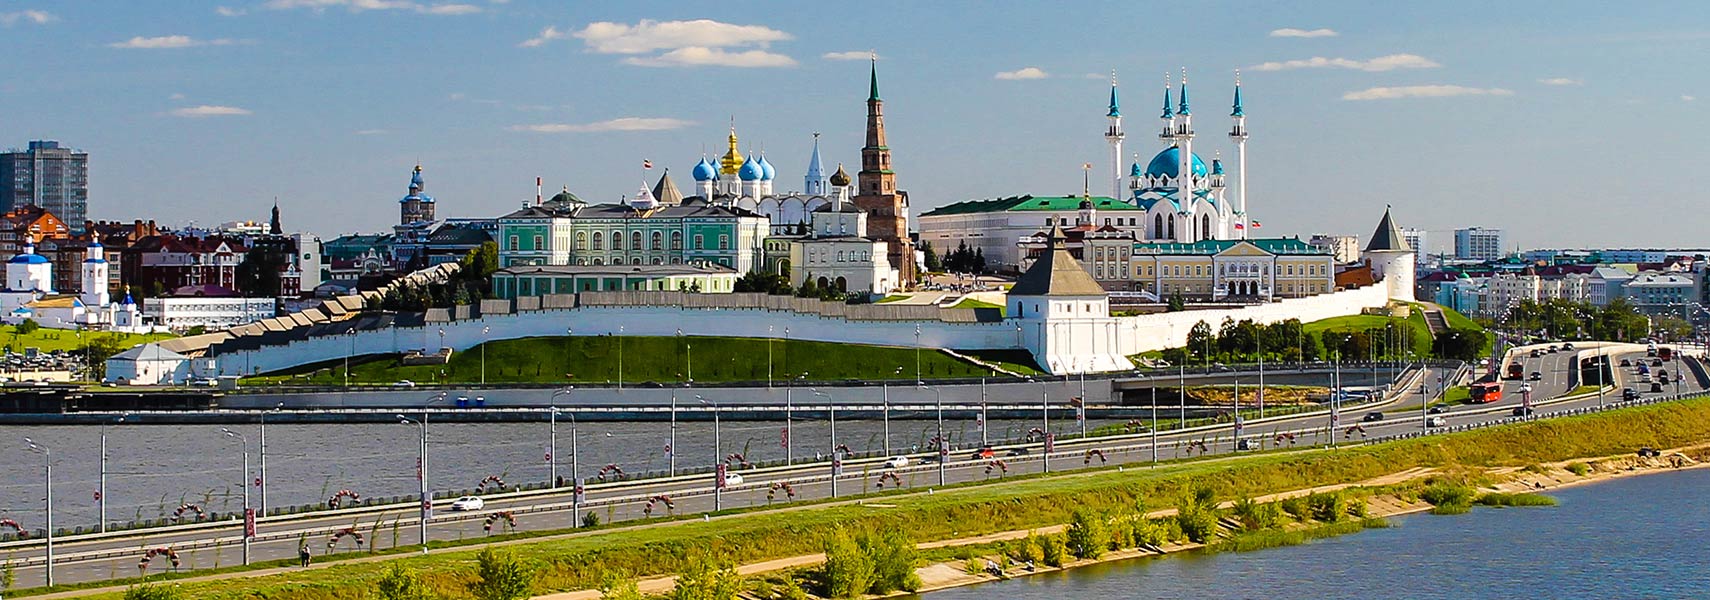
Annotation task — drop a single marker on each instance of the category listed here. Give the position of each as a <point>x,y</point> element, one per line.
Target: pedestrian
<point>303,555</point>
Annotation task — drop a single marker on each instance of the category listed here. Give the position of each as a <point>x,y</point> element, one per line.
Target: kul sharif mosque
<point>1205,212</point>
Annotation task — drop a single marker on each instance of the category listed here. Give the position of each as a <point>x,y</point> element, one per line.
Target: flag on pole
<point>1256,225</point>
<point>1239,225</point>
<point>646,164</point>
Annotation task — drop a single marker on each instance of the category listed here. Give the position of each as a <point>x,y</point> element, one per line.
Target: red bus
<point>1485,393</point>
<point>1516,370</point>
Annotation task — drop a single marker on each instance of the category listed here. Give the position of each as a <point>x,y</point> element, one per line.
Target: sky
<point>1569,124</point>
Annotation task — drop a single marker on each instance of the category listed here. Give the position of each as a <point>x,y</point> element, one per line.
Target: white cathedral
<point>1184,201</point>
<point>746,182</point>
<point>29,295</point>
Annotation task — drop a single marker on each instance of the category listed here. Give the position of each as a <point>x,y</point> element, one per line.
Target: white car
<point>896,462</point>
<point>468,503</point>
<point>1436,422</point>
<point>404,383</point>
<point>732,480</point>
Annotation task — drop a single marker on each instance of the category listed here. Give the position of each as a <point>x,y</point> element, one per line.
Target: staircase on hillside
<point>1435,321</point>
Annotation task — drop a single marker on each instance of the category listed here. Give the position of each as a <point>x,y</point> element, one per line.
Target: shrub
<point>591,519</point>
<point>1296,507</point>
<point>1447,498</point>
<point>153,592</point>
<point>617,585</point>
<point>848,571</point>
<point>1088,535</point>
<point>1329,507</point>
<point>1254,515</point>
<point>891,555</point>
<point>1051,546</point>
<point>705,581</point>
<point>974,566</point>
<point>1027,550</point>
<point>400,583</point>
<point>1580,469</point>
<point>1196,514</point>
<point>1520,499</point>
<point>501,576</point>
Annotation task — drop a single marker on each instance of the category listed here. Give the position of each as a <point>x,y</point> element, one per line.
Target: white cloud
<point>646,36</point>
<point>695,56</point>
<point>621,124</point>
<point>370,131</point>
<point>1423,91</point>
<point>546,35</point>
<point>168,41</point>
<point>849,55</point>
<point>1561,81</point>
<point>1023,73</point>
<point>36,17</point>
<point>227,11</point>
<point>207,110</point>
<point>1686,98</point>
<point>362,5</point>
<point>1382,63</point>
<point>175,97</point>
<point>1303,33</point>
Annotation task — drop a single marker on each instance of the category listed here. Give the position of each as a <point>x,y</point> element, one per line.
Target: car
<point>1536,353</point>
<point>1018,451</point>
<point>1656,362</point>
<point>467,503</point>
<point>1656,387</point>
<point>1436,422</point>
<point>1373,416</point>
<point>1535,376</point>
<point>404,383</point>
<point>926,459</point>
<point>981,454</point>
<point>1626,362</point>
<point>1521,411</point>
<point>1644,370</point>
<point>1662,374</point>
<point>1568,346</point>
<point>1552,349</point>
<point>1244,444</point>
<point>732,479</point>
<point>1437,410</point>
<point>1629,394</point>
<point>896,462</point>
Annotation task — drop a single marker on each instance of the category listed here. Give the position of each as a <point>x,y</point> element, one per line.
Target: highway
<point>207,545</point>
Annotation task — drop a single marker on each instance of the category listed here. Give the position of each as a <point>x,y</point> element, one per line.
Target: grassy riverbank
<point>577,359</point>
<point>567,563</point>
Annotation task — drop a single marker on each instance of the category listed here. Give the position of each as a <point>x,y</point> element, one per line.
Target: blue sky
<point>1568,123</point>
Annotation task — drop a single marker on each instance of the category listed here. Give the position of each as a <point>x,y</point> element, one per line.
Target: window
<point>513,243</point>
<point>599,243</point>
<point>676,240</point>
<point>1107,220</point>
<point>839,256</point>
<point>635,241</point>
<point>539,243</point>
<point>1047,221</point>
<point>700,242</point>
<point>723,242</point>
<point>598,261</point>
<point>658,241</point>
<point>581,240</point>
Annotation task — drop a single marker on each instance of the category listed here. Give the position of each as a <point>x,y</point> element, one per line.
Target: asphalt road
<point>213,545</point>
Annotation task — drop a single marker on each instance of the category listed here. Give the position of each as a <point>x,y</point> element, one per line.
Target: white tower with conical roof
<point>1391,259</point>
<point>1113,134</point>
<point>1238,134</point>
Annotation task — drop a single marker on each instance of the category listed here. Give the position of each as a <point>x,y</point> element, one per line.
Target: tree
<point>932,262</point>
<point>259,273</point>
<point>616,585</point>
<point>892,555</point>
<point>153,592</point>
<point>1176,303</point>
<point>1459,343</point>
<point>706,581</point>
<point>1088,535</point>
<point>400,583</point>
<point>848,570</point>
<point>99,349</point>
<point>1199,340</point>
<point>29,326</point>
<point>501,576</point>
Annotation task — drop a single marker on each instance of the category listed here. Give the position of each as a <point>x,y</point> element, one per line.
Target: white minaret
<point>1114,135</point>
<point>95,294</point>
<point>1185,184</point>
<point>1169,137</point>
<point>1238,134</point>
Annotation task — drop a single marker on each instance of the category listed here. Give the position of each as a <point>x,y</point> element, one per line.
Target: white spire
<point>1113,134</point>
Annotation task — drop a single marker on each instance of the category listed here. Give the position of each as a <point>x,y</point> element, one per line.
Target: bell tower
<point>876,187</point>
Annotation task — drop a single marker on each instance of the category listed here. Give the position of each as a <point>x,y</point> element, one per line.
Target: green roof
<point>1278,246</point>
<point>1029,203</point>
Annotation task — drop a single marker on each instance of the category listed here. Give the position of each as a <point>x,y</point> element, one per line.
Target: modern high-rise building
<point>1419,241</point>
<point>1478,243</point>
<point>48,176</point>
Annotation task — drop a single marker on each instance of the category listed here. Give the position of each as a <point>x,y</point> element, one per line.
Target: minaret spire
<point>873,79</point>
<point>1238,134</point>
<point>1113,134</point>
<point>1185,186</point>
<point>1169,116</point>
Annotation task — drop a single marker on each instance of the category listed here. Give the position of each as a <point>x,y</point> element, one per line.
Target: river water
<point>1642,537</point>
<point>152,469</point>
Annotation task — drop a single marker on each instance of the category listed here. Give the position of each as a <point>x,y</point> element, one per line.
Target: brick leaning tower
<point>876,190</point>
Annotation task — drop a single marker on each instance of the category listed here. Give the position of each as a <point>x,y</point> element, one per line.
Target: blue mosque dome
<point>1166,163</point>
<point>750,170</point>
<point>1135,171</point>
<point>705,171</point>
<point>766,170</point>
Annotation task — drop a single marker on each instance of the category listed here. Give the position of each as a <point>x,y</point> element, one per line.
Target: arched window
<point>597,260</point>
<point>599,241</point>
<point>635,241</point>
<point>839,256</point>
<point>658,241</point>
<point>1172,234</point>
<point>581,240</point>
<point>1157,226</point>
<point>658,261</point>
<point>1205,226</point>
<point>676,240</point>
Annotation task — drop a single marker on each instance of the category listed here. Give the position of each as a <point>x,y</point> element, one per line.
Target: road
<point>91,558</point>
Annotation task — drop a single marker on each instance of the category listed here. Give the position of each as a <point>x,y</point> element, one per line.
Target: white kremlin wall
<point>1137,333</point>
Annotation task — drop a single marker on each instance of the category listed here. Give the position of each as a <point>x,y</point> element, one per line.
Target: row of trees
<point>471,283</point>
<point>779,285</point>
<point>960,260</point>
<point>1249,341</point>
<point>1617,321</point>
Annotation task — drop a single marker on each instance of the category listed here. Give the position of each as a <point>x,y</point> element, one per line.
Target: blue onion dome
<point>766,170</point>
<point>1135,171</point>
<point>1166,163</point>
<point>1217,166</point>
<point>750,170</point>
<point>29,258</point>
<point>416,178</point>
<point>705,171</point>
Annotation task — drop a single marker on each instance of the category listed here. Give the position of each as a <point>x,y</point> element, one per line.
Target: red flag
<point>1256,225</point>
<point>646,164</point>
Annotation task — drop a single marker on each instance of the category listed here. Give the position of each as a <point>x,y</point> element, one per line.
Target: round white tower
<point>95,294</point>
<point>1391,260</point>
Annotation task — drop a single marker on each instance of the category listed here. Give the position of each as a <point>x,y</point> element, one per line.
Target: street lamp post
<point>917,379</point>
<point>983,424</point>
<point>718,454</point>
<point>836,455</point>
<point>620,359</point>
<point>422,462</point>
<point>886,387</point>
<point>484,331</point>
<point>769,339</point>
<point>552,444</point>
<point>671,445</point>
<point>943,444</point>
<point>243,481</point>
<point>1045,419</point>
<point>47,502</point>
<point>101,492</point>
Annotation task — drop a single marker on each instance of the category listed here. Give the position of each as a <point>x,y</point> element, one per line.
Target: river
<point>1641,537</point>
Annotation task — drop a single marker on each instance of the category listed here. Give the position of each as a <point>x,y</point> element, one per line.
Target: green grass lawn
<point>972,303</point>
<point>48,340</point>
<point>563,359</point>
<point>894,298</point>
<point>1015,361</point>
<point>1346,323</point>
